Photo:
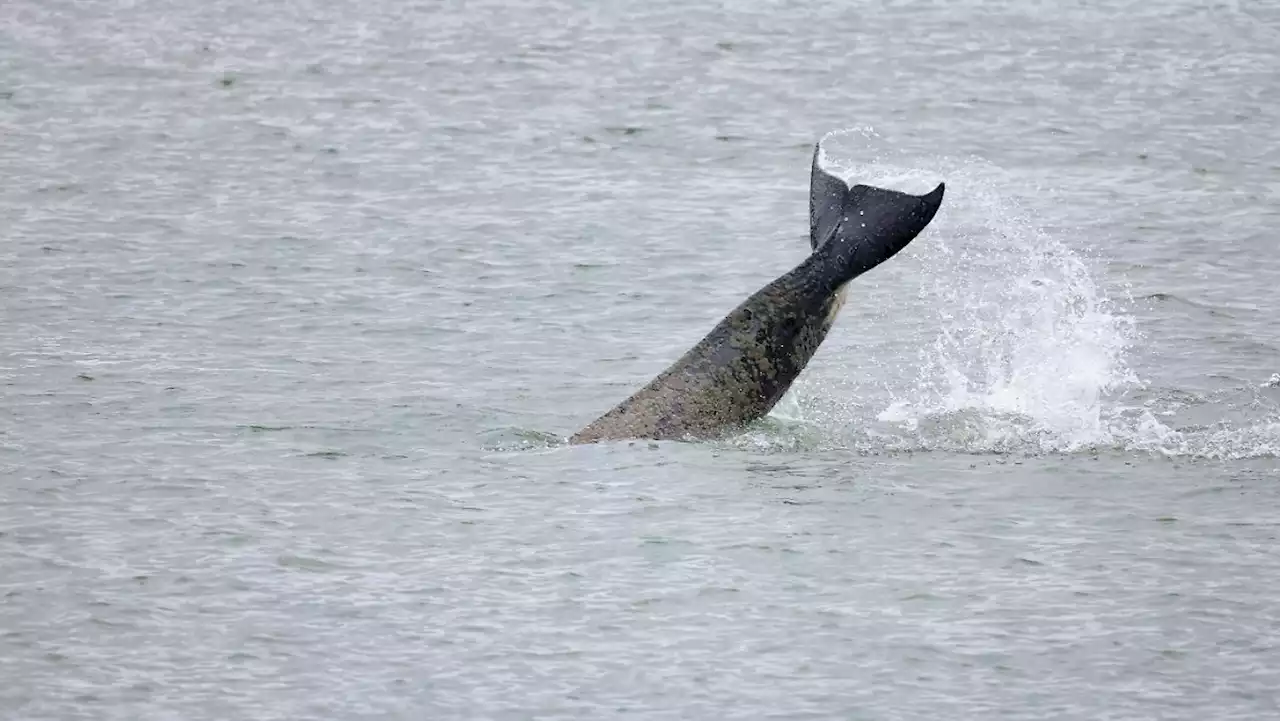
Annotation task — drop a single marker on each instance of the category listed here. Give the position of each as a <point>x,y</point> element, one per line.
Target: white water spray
<point>1010,345</point>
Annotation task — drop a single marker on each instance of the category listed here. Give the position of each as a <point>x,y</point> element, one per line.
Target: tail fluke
<point>863,225</point>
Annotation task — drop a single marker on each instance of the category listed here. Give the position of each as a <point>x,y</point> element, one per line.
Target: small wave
<point>975,431</point>
<point>510,438</point>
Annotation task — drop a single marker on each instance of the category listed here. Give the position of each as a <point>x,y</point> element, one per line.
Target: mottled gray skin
<point>738,372</point>
<point>743,367</point>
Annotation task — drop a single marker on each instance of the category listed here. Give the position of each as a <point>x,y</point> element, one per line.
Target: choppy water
<point>299,300</point>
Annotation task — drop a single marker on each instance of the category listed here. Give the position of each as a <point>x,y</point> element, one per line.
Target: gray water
<point>301,299</point>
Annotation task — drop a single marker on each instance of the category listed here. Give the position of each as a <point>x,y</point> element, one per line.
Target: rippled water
<point>300,300</point>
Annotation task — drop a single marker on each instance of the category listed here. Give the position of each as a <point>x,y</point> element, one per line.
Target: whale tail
<point>863,226</point>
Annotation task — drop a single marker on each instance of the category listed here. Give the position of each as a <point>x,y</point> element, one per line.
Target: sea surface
<point>300,300</point>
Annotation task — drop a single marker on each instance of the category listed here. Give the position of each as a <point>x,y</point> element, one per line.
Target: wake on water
<point>1029,354</point>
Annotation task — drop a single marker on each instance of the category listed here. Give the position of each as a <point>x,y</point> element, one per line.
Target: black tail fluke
<point>863,225</point>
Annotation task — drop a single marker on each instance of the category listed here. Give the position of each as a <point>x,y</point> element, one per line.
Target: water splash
<point>1026,345</point>
<point>1024,333</point>
<point>1023,351</point>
